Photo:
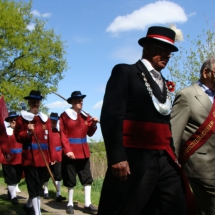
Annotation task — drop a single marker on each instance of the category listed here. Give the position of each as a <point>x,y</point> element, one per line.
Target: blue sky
<point>102,33</point>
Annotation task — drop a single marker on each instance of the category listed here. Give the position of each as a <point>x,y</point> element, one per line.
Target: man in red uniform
<point>55,167</point>
<point>12,161</point>
<point>29,125</point>
<point>75,125</point>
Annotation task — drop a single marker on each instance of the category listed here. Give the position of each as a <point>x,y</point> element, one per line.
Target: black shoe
<point>60,198</point>
<point>28,211</point>
<point>46,196</point>
<point>14,201</point>
<point>90,209</point>
<point>69,210</point>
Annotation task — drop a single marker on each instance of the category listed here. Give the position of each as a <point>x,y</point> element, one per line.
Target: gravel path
<point>50,205</point>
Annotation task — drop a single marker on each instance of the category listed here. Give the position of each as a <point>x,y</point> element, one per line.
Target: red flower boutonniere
<point>170,86</point>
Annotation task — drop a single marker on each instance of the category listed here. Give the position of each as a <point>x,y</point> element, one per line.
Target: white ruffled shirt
<point>30,116</point>
<point>73,114</point>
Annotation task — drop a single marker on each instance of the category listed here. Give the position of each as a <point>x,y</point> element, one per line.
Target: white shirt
<point>149,67</point>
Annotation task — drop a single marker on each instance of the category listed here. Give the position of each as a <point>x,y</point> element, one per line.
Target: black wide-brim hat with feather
<point>11,115</point>
<point>75,95</point>
<point>34,94</point>
<point>160,35</point>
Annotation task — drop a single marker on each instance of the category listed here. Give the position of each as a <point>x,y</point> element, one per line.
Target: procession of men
<point>33,146</point>
<point>160,152</point>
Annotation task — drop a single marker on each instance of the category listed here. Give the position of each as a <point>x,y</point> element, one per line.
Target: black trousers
<point>56,171</point>
<point>12,173</point>
<point>153,188</point>
<point>71,167</point>
<point>35,178</point>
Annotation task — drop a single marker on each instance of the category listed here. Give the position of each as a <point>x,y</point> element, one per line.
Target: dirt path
<point>50,205</point>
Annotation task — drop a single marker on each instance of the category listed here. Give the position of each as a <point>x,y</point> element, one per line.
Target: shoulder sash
<point>197,139</point>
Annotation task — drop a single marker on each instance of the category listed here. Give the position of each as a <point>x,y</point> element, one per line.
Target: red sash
<point>148,135</point>
<point>202,134</point>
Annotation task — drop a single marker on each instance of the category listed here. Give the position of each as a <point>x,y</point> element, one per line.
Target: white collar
<point>9,131</point>
<point>30,116</point>
<point>147,64</point>
<point>73,114</point>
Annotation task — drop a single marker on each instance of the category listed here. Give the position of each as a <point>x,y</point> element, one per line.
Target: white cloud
<point>31,26</point>
<point>192,14</point>
<point>160,12</point>
<point>37,13</point>
<point>127,54</point>
<point>98,105</point>
<point>58,104</point>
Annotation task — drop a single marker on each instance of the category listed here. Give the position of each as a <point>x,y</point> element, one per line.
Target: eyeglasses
<point>163,51</point>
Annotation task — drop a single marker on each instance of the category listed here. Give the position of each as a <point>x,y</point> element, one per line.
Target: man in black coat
<point>142,176</point>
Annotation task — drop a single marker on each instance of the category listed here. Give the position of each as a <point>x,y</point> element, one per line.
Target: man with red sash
<point>193,127</point>
<point>142,176</point>
<point>75,125</point>
<point>12,161</point>
<point>30,126</point>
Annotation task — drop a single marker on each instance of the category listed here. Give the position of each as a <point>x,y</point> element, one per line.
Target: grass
<point>7,209</point>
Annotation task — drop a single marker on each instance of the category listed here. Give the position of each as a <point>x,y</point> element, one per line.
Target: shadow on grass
<point>8,209</point>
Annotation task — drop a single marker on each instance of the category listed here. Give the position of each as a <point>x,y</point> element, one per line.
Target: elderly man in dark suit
<point>193,127</point>
<point>142,176</point>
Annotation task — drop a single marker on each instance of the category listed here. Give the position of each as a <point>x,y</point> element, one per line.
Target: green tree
<point>29,59</point>
<point>185,66</point>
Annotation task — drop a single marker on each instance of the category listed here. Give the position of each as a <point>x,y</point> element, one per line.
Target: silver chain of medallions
<point>165,108</point>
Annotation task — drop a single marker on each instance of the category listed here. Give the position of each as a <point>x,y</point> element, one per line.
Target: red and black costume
<point>134,131</point>
<point>33,163</point>
<point>13,169</point>
<point>56,168</point>
<point>74,128</point>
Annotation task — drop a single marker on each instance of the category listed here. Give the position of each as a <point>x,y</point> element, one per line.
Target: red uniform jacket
<point>3,138</point>
<point>31,154</point>
<point>15,149</point>
<point>74,133</point>
<point>57,143</point>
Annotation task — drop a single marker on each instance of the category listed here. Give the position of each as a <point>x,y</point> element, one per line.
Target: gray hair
<point>209,63</point>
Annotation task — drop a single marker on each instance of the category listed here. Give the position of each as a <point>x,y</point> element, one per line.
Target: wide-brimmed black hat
<point>54,116</point>
<point>75,95</point>
<point>11,115</point>
<point>34,94</point>
<point>162,35</point>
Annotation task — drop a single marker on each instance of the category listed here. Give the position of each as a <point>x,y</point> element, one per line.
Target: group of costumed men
<point>33,146</point>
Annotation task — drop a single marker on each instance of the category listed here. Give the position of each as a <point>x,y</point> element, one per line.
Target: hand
<point>8,157</point>
<point>70,155</point>
<point>30,126</point>
<point>94,120</point>
<point>53,163</point>
<point>121,170</point>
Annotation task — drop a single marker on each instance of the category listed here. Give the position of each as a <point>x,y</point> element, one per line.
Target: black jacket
<point>126,97</point>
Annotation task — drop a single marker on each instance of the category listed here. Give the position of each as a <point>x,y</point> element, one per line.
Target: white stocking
<point>87,195</point>
<point>12,190</point>
<point>36,205</point>
<point>70,196</point>
<point>58,187</point>
<point>46,187</point>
